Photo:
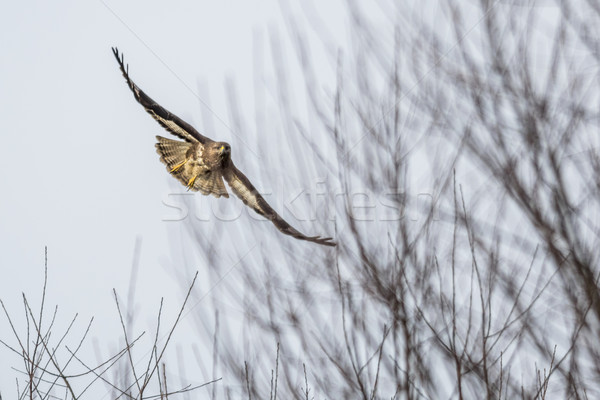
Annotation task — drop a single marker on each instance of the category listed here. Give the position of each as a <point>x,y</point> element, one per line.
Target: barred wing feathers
<point>170,122</point>
<point>241,186</point>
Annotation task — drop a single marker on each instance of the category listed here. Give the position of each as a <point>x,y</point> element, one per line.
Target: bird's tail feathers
<point>211,183</point>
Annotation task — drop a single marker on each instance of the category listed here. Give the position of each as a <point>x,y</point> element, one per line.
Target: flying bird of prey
<point>200,163</point>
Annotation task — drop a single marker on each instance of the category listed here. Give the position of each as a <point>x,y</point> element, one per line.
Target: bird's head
<point>222,150</point>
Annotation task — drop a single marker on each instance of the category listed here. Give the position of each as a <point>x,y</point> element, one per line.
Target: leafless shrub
<point>47,374</point>
<point>489,291</point>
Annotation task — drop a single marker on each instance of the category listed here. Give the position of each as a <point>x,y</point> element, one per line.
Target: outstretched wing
<point>170,122</point>
<point>241,186</point>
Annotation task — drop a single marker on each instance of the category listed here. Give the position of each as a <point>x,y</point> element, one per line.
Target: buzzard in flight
<point>200,164</point>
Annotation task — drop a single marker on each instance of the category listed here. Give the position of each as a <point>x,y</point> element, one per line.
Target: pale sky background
<point>79,172</point>
<point>78,168</point>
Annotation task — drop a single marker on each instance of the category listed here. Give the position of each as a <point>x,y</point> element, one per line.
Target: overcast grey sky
<point>79,173</point>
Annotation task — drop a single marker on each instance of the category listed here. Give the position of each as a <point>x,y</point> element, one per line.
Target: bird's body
<point>202,164</point>
<point>197,166</point>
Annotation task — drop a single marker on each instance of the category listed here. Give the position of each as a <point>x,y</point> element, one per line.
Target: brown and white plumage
<point>201,164</point>
<point>241,186</point>
<point>184,161</point>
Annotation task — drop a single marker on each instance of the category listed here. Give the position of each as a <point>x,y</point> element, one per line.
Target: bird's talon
<point>191,182</point>
<point>178,166</point>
